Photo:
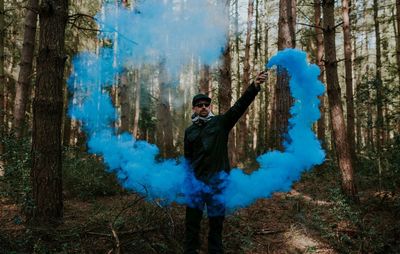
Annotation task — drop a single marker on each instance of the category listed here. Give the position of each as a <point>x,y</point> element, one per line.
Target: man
<point>206,150</point>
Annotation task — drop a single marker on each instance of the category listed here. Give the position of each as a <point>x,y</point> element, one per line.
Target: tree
<point>242,133</point>
<point>136,116</point>
<point>225,89</point>
<point>22,88</point>
<point>398,37</point>
<point>46,173</point>
<point>124,100</point>
<point>320,54</point>
<point>340,138</point>
<point>398,47</point>
<point>225,94</point>
<point>2,80</point>
<point>349,74</point>
<point>164,123</point>
<point>378,88</point>
<point>205,79</point>
<point>282,99</point>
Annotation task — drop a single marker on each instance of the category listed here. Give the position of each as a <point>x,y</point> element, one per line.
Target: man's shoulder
<point>191,127</point>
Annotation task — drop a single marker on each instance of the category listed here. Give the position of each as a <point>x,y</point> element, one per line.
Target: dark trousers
<point>216,216</point>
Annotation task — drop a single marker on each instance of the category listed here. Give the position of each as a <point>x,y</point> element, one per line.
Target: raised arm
<point>237,110</point>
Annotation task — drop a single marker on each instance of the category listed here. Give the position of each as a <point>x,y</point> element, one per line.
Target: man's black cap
<point>200,97</point>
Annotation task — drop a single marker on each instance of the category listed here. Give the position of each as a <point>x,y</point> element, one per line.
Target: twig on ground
<point>268,232</point>
<point>117,242</point>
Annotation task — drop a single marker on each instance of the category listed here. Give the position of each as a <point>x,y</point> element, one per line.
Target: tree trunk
<point>67,126</point>
<point>378,87</point>
<point>242,133</point>
<point>338,125</point>
<point>2,83</point>
<point>398,48</point>
<point>398,37</point>
<point>358,117</point>
<point>225,95</point>
<point>267,95</point>
<point>46,174</point>
<point>205,80</point>
<point>25,74</point>
<point>137,81</point>
<point>124,101</point>
<point>321,125</point>
<point>255,109</point>
<point>283,100</point>
<point>349,75</point>
<point>164,123</point>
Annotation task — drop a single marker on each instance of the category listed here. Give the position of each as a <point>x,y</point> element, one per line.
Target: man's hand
<point>261,77</point>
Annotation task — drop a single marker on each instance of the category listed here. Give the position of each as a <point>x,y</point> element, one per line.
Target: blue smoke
<point>302,150</point>
<point>172,31</point>
<point>153,34</point>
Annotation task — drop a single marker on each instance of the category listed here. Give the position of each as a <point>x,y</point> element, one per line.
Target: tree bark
<point>267,95</point>
<point>46,173</point>
<point>398,48</point>
<point>124,100</point>
<point>378,87</point>
<point>346,4</point>
<point>22,89</point>
<point>321,125</point>
<point>136,117</point>
<point>225,95</point>
<point>282,99</point>
<point>205,80</point>
<point>398,37</point>
<point>358,110</point>
<point>242,133</point>
<point>338,125</point>
<point>164,123</point>
<point>2,83</point>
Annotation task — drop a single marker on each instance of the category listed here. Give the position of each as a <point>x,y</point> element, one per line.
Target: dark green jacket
<point>206,146</point>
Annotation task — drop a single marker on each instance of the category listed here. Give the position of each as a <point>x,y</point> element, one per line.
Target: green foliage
<point>85,176</point>
<point>15,184</point>
<point>368,227</point>
<point>393,163</point>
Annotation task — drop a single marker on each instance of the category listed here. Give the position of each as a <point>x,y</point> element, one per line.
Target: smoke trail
<point>278,170</point>
<point>171,31</point>
<point>143,40</point>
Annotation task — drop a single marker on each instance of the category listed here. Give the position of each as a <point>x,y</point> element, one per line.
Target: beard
<point>203,113</point>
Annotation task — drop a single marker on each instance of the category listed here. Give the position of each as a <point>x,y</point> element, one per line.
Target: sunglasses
<point>200,105</point>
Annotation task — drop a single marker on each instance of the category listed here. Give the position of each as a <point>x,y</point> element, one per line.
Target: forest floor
<point>312,218</point>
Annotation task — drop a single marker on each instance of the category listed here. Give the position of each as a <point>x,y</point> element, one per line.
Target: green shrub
<point>15,184</point>
<point>85,176</point>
